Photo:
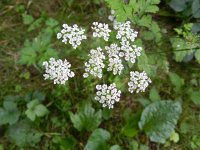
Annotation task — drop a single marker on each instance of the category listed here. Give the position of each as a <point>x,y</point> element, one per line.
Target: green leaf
<point>143,63</point>
<point>51,22</point>
<point>9,113</point>
<point>179,45</point>
<point>66,143</point>
<point>115,147</point>
<point>154,95</point>
<point>178,5</point>
<point>27,19</point>
<point>97,140</point>
<point>195,97</point>
<point>41,110</point>
<point>197,55</point>
<point>30,114</point>
<point>22,134</point>
<point>27,56</point>
<point>196,8</point>
<point>131,127</point>
<point>106,113</point>
<point>1,147</point>
<point>176,80</point>
<point>86,118</point>
<point>145,21</point>
<point>174,137</point>
<point>159,119</point>
<point>35,109</point>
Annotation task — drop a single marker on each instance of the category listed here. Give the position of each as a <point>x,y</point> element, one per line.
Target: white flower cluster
<point>130,51</point>
<point>138,81</point>
<point>95,63</point>
<point>115,63</point>
<point>58,70</point>
<point>124,31</point>
<point>107,95</point>
<point>101,30</point>
<point>72,33</point>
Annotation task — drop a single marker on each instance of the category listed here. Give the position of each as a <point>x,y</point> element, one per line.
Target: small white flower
<point>72,35</point>
<point>58,70</point>
<point>131,52</point>
<point>115,63</point>
<point>95,63</point>
<point>101,30</point>
<point>124,31</point>
<point>138,81</point>
<point>107,95</point>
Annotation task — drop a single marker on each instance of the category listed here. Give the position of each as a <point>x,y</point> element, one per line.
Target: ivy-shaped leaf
<point>35,109</point>
<point>97,140</point>
<point>86,118</point>
<point>159,119</point>
<point>9,113</point>
<point>22,134</point>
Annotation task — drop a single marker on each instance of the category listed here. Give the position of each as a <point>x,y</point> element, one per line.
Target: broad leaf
<point>22,134</point>
<point>9,113</point>
<point>86,118</point>
<point>178,5</point>
<point>97,140</point>
<point>196,8</point>
<point>159,119</point>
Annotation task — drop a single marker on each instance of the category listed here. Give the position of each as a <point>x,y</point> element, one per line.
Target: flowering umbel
<point>72,35</point>
<point>95,63</point>
<point>101,30</point>
<point>111,57</point>
<point>58,70</point>
<point>107,95</point>
<point>138,81</point>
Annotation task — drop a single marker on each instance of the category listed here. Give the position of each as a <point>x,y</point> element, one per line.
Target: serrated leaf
<point>27,19</point>
<point>145,21</point>
<point>143,63</point>
<point>86,118</point>
<point>22,134</point>
<point>159,119</point>
<point>176,80</point>
<point>27,56</point>
<point>97,140</point>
